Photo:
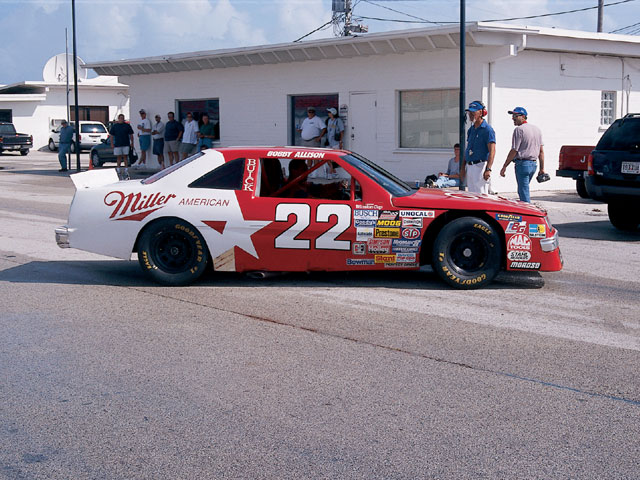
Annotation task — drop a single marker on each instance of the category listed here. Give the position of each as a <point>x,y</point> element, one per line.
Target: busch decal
<point>135,206</point>
<point>519,242</point>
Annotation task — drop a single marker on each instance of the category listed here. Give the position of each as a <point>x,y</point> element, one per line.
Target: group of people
<point>312,131</point>
<point>526,150</point>
<point>181,140</point>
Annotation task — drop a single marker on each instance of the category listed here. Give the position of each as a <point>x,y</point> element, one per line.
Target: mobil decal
<point>519,242</point>
<point>412,222</point>
<point>418,213</point>
<point>410,233</point>
<point>359,248</point>
<point>385,258</point>
<point>519,255</point>
<point>516,227</point>
<point>537,230</point>
<point>249,179</point>
<point>387,233</point>
<point>135,206</point>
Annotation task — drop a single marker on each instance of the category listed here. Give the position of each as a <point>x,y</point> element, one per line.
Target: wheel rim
<point>173,252</point>
<point>469,252</point>
<point>95,159</point>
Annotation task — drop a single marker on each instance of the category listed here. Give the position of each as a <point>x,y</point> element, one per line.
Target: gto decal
<point>519,242</point>
<point>135,202</point>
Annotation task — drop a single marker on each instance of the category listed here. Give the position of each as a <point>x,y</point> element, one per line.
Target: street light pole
<point>461,113</point>
<point>75,84</point>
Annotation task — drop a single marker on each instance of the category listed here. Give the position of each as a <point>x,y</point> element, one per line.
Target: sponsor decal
<point>204,202</point>
<point>483,228</point>
<point>364,223</point>
<point>525,265</point>
<point>249,181</point>
<point>412,222</point>
<point>519,255</point>
<point>385,258</point>
<point>388,215</point>
<point>406,243</point>
<point>388,223</point>
<point>406,257</point>
<point>410,233</point>
<point>359,248</point>
<point>365,213</point>
<point>418,213</point>
<point>363,234</point>
<point>405,249</point>
<point>378,245</point>
<point>508,217</point>
<point>282,154</point>
<point>370,206</point>
<point>519,242</point>
<point>360,261</point>
<point>537,230</point>
<point>135,206</point>
<point>387,233</point>
<point>516,227</point>
<point>402,265</point>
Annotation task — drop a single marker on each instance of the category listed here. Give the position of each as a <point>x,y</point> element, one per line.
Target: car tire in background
<point>95,159</point>
<point>467,253</point>
<point>24,152</point>
<point>52,145</point>
<point>623,217</point>
<point>581,188</point>
<point>171,251</point>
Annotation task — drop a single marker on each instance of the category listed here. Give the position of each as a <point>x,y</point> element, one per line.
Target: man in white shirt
<point>312,129</point>
<point>189,137</point>
<point>144,137</point>
<point>158,140</point>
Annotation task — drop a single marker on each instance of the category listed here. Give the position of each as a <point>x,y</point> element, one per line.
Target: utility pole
<point>343,12</point>
<point>347,18</point>
<point>600,14</point>
<point>461,101</point>
<point>75,84</point>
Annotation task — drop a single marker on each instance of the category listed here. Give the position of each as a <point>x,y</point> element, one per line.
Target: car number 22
<point>324,212</point>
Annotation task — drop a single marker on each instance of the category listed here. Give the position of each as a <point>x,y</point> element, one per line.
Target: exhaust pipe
<point>260,275</point>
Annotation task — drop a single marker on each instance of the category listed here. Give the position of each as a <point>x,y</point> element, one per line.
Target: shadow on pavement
<point>128,274</point>
<point>599,230</point>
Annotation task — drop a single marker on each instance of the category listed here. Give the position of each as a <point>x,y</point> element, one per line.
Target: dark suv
<point>613,174</point>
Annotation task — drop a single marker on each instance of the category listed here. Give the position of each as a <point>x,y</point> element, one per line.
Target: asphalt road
<point>104,375</point>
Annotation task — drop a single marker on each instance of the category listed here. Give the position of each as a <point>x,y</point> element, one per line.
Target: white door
<point>362,125</point>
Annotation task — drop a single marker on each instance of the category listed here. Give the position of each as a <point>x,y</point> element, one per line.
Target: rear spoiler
<point>95,178</point>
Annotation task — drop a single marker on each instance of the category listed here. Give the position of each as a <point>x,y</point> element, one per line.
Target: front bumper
<point>62,236</point>
<point>550,244</point>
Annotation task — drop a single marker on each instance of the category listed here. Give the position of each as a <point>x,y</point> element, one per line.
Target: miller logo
<point>135,206</point>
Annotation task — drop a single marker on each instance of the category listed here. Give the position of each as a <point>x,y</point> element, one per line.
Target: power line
<point>314,31</point>
<point>398,11</point>
<point>624,28</point>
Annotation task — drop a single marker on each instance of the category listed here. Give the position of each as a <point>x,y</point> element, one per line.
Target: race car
<point>292,209</point>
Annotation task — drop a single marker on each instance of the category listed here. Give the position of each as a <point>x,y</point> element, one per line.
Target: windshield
<point>7,129</point>
<point>391,184</point>
<point>624,135</point>
<point>92,128</point>
<point>171,169</point>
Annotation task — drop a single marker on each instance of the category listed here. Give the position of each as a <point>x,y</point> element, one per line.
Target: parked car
<point>91,133</point>
<point>103,153</point>
<point>12,141</point>
<point>572,163</point>
<point>230,208</point>
<point>614,172</point>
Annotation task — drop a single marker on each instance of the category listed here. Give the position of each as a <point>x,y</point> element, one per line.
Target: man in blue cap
<point>526,149</point>
<point>481,149</point>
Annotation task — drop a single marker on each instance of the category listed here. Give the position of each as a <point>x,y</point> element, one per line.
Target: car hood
<point>460,200</point>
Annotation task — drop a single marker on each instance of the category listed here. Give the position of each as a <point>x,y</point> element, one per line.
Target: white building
<point>398,91</point>
<point>36,107</point>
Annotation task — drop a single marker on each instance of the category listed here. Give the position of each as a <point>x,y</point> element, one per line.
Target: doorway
<point>363,124</point>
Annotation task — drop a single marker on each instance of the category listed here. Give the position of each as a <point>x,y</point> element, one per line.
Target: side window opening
<point>226,177</point>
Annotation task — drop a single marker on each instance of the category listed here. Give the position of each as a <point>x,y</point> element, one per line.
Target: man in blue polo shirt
<point>481,149</point>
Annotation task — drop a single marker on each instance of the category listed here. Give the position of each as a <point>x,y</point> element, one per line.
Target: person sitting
<point>450,178</point>
<point>297,168</point>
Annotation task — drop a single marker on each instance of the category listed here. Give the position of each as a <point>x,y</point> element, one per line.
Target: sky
<point>34,30</point>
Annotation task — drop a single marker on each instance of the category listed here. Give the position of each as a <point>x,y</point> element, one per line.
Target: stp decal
<point>410,233</point>
<point>519,242</point>
<point>135,202</point>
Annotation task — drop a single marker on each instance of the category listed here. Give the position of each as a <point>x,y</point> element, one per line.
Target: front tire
<point>52,145</point>
<point>171,251</point>
<point>467,253</point>
<point>623,217</point>
<point>95,160</point>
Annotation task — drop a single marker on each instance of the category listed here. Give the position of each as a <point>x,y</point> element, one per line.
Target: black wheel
<point>24,152</point>
<point>95,159</point>
<point>52,145</point>
<point>467,253</point>
<point>581,188</point>
<point>624,216</point>
<point>172,252</point>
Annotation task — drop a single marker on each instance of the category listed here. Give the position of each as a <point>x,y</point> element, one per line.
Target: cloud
<point>296,19</point>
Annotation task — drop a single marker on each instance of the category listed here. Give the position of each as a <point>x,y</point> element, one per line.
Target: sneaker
<point>63,170</point>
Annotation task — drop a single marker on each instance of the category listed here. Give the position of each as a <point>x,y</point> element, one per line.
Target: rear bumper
<point>607,193</point>
<point>575,174</point>
<point>62,236</point>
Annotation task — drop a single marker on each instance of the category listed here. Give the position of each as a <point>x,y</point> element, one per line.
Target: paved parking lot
<point>105,375</point>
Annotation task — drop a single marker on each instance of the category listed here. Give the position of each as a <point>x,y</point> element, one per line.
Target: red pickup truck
<point>573,164</point>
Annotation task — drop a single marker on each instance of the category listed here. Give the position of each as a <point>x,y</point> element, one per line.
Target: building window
<point>607,108</point>
<point>429,118</point>
<point>210,106</point>
<point>299,105</point>
<point>6,116</point>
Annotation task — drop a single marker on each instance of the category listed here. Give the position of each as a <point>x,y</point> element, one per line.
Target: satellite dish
<point>55,70</point>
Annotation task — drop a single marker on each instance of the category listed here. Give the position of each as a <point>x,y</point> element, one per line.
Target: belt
<point>524,159</point>
<point>475,161</point>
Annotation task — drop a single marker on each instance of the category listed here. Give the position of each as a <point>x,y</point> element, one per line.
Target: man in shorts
<point>121,135</point>
<point>189,137</point>
<point>172,133</point>
<point>158,140</point>
<point>144,137</point>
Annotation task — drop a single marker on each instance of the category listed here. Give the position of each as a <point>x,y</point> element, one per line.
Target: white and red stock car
<point>235,209</point>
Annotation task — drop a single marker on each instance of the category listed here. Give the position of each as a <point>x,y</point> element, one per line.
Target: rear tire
<point>467,253</point>
<point>52,145</point>
<point>623,216</point>
<point>171,251</point>
<point>581,188</point>
<point>95,160</point>
<point>24,152</point>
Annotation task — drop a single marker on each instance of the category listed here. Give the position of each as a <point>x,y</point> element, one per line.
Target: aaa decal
<point>519,242</point>
<point>135,206</point>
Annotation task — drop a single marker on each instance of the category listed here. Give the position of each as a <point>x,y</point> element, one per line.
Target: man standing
<point>189,137</point>
<point>158,140</point>
<point>66,137</point>
<point>121,135</point>
<point>312,129</point>
<point>206,134</point>
<point>144,136</point>
<point>481,149</point>
<point>526,148</point>
<point>172,132</point>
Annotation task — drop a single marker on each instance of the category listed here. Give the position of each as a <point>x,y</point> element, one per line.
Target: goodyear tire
<point>467,253</point>
<point>172,252</point>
